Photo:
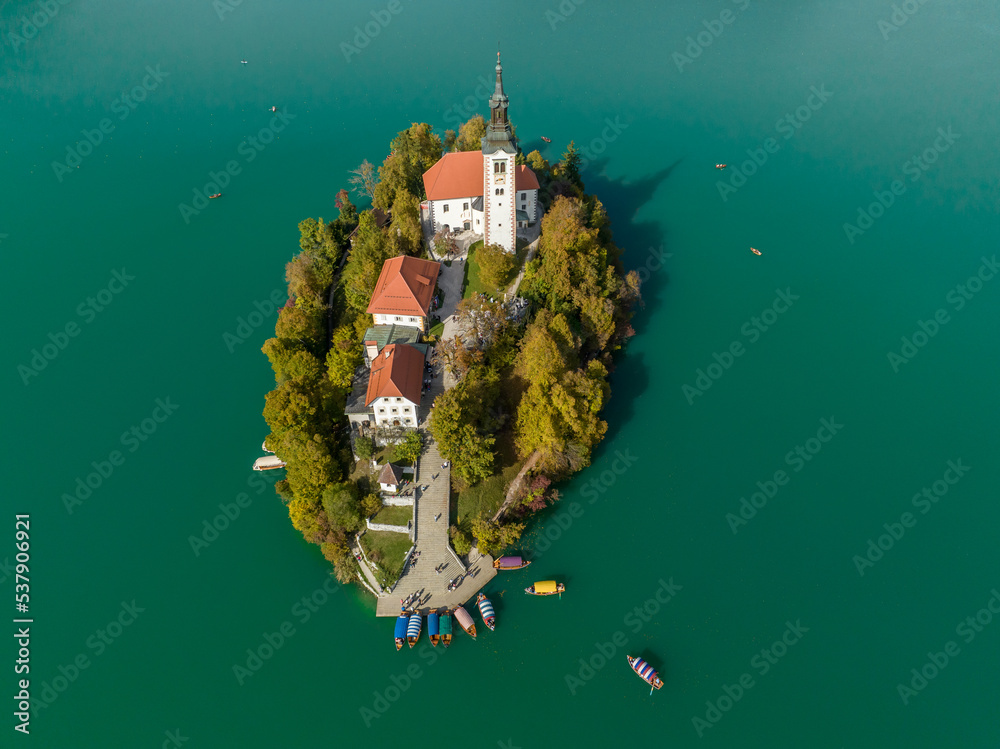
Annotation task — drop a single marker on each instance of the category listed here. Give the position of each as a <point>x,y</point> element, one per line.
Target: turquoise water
<point>662,517</point>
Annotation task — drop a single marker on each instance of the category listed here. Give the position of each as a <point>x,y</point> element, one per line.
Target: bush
<point>364,447</point>
<point>459,541</point>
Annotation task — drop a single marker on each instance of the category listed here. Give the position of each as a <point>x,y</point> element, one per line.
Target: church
<point>484,192</point>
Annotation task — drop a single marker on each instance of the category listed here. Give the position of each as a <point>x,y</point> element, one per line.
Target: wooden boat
<point>432,628</point>
<point>546,588</point>
<point>754,250</point>
<point>547,140</point>
<point>721,166</point>
<point>510,563</point>
<point>213,197</point>
<point>268,463</point>
<point>645,672</point>
<point>486,611</point>
<point>465,621</point>
<point>401,621</point>
<point>413,629</point>
<point>444,627</point>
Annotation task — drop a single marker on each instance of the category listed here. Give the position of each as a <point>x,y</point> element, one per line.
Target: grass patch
<point>393,515</point>
<point>471,283</point>
<point>387,550</point>
<point>485,498</point>
<point>436,330</point>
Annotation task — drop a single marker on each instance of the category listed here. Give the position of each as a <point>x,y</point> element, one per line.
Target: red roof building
<point>395,385</point>
<point>404,291</point>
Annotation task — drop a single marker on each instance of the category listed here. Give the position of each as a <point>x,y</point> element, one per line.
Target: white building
<point>485,192</point>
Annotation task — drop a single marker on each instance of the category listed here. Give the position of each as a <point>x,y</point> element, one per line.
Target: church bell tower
<point>499,194</point>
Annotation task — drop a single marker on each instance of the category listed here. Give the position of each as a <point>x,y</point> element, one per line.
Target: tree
<point>483,319</point>
<point>369,252</point>
<point>406,223</point>
<point>496,266</point>
<point>569,167</point>
<point>308,275</point>
<point>444,243</point>
<point>492,538</point>
<point>538,164</point>
<point>364,179</point>
<point>471,134</point>
<point>449,140</point>
<point>371,504</point>
<point>344,357</point>
<point>310,467</point>
<point>414,151</point>
<point>460,541</point>
<point>364,447</point>
<point>342,507</point>
<point>408,451</point>
<point>302,322</point>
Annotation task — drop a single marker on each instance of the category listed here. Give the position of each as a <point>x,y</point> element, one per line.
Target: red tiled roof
<point>460,175</point>
<point>404,287</point>
<point>397,371</point>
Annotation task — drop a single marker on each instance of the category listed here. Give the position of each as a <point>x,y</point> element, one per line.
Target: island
<point>442,360</point>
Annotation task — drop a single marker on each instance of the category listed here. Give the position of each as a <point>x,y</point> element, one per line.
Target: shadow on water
<point>643,244</point>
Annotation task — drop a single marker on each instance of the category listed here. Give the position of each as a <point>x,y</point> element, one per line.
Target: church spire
<point>499,134</point>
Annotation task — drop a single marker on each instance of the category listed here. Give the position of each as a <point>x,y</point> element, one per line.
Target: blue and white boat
<point>401,621</point>
<point>486,610</point>
<point>413,629</point>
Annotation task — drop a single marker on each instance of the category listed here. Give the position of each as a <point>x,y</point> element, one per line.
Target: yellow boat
<point>545,588</point>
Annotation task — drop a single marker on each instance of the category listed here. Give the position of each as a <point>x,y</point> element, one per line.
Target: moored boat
<point>486,611</point>
<point>510,563</point>
<point>545,588</point>
<point>401,621</point>
<point>268,463</point>
<point>444,627</point>
<point>432,628</point>
<point>645,672</point>
<point>413,629</point>
<point>465,621</point>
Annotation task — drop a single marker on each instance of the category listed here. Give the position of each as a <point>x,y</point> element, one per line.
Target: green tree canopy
<point>497,267</point>
<point>471,134</point>
<point>344,357</point>
<point>408,451</point>
<point>414,151</point>
<point>342,506</point>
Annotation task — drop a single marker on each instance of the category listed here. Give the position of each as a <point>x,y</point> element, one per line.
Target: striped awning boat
<point>486,610</point>
<point>413,629</point>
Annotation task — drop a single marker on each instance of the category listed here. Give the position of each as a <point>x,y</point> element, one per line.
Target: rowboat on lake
<point>645,672</point>
<point>413,629</point>
<point>401,622</point>
<point>444,626</point>
<point>486,610</point>
<point>432,628</point>
<point>465,621</point>
<point>510,563</point>
<point>545,588</point>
